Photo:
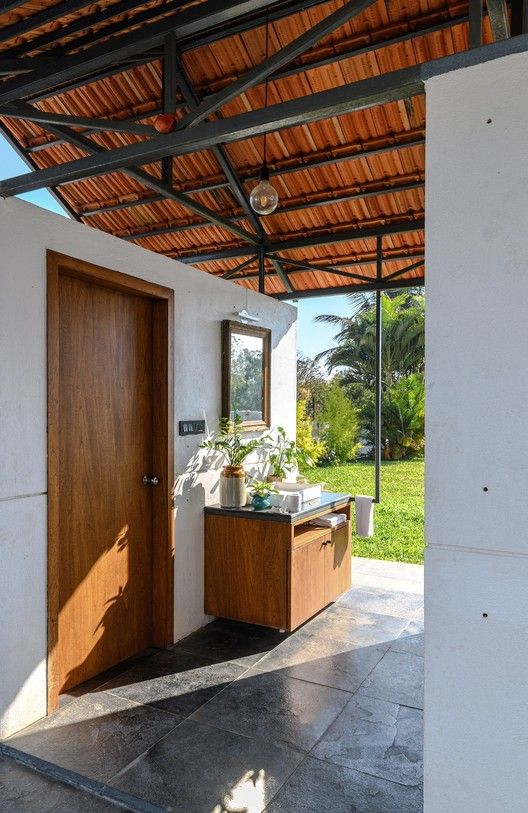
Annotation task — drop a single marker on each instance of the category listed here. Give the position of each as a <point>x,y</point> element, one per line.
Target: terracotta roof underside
<point>369,165</point>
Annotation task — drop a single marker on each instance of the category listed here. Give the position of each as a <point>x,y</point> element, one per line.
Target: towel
<point>364,515</point>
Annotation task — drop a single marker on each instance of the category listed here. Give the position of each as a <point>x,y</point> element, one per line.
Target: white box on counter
<point>308,491</point>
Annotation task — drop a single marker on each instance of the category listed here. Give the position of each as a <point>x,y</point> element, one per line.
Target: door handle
<point>150,480</point>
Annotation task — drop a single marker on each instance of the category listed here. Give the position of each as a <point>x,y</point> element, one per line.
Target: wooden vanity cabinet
<point>274,569</point>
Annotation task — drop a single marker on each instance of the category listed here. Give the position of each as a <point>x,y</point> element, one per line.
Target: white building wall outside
<point>476,568</point>
<point>201,302</point>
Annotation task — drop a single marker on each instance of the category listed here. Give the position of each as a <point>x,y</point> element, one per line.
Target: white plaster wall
<point>201,302</point>
<point>476,666</point>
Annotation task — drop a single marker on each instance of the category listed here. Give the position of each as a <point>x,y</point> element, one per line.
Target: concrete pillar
<point>476,698</point>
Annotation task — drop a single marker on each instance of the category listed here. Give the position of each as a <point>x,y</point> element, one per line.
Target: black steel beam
<point>352,289</point>
<point>376,45</point>
<point>317,269</point>
<point>240,267</point>
<point>55,193</point>
<point>309,241</point>
<point>282,273</point>
<point>44,17</point>
<point>402,271</point>
<point>196,40</point>
<point>184,23</point>
<point>220,153</point>
<point>305,163</point>
<point>29,113</point>
<point>325,104</point>
<point>307,204</point>
<point>168,93</point>
<point>367,93</point>
<point>80,24</point>
<point>280,58</point>
<point>158,186</point>
<point>499,19</point>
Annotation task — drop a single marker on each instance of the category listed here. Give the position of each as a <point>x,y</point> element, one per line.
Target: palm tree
<point>403,338</point>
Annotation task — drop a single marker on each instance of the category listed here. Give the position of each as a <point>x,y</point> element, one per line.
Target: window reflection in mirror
<point>246,373</point>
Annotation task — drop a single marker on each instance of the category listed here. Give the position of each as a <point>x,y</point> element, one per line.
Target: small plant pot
<point>259,502</point>
<point>233,492</point>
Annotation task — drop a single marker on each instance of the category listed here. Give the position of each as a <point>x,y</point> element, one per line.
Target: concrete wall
<point>476,592</point>
<point>201,302</point>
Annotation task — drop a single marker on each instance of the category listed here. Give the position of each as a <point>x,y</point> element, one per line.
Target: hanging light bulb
<point>264,197</point>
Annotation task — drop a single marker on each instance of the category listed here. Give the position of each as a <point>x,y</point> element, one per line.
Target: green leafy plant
<point>262,489</point>
<point>402,418</point>
<point>339,427</point>
<point>286,455</point>
<point>229,443</point>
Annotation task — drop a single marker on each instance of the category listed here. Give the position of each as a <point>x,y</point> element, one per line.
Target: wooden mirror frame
<point>228,328</point>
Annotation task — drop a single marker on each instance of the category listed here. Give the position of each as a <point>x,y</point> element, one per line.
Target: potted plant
<point>230,445</point>
<point>286,456</point>
<point>260,498</point>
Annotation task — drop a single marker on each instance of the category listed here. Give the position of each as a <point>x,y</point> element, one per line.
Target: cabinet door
<point>307,580</point>
<point>338,563</point>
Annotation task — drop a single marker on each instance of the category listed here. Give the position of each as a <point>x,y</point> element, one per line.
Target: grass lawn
<point>398,520</point>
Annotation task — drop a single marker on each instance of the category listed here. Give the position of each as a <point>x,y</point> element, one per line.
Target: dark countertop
<point>327,502</point>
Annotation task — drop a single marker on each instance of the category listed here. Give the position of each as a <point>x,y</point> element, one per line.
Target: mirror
<point>246,374</point>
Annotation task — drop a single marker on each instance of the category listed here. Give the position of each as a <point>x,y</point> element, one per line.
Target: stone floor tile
<point>94,683</point>
<point>198,769</point>
<point>359,629</point>
<point>398,678</point>
<point>96,735</point>
<point>382,602</point>
<point>276,708</point>
<point>412,639</point>
<point>317,786</point>
<point>322,660</point>
<point>375,737</point>
<point>175,681</point>
<point>223,640</point>
<point>23,790</point>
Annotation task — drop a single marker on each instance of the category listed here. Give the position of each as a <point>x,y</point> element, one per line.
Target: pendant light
<point>264,197</point>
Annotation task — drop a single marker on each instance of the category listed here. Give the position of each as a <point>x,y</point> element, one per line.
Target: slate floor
<point>240,719</point>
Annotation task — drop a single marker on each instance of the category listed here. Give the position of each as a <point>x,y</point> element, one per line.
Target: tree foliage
<point>403,338</point>
<point>312,449</point>
<point>339,426</point>
<point>352,360</point>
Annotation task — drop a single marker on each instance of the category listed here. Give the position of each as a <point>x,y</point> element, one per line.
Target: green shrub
<point>402,418</point>
<point>305,439</point>
<point>339,426</point>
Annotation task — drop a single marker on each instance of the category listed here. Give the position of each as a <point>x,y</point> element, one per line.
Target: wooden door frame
<point>163,447</point>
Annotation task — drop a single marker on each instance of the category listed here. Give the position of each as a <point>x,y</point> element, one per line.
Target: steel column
<point>262,270</point>
<point>378,374</point>
<point>475,23</point>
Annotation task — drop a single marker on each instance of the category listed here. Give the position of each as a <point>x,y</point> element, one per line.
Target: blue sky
<point>312,336</point>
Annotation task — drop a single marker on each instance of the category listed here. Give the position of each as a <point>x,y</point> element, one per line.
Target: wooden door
<point>338,563</point>
<point>307,580</point>
<point>105,586</point>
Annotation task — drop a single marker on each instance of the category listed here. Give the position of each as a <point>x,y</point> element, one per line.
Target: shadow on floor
<point>240,719</point>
